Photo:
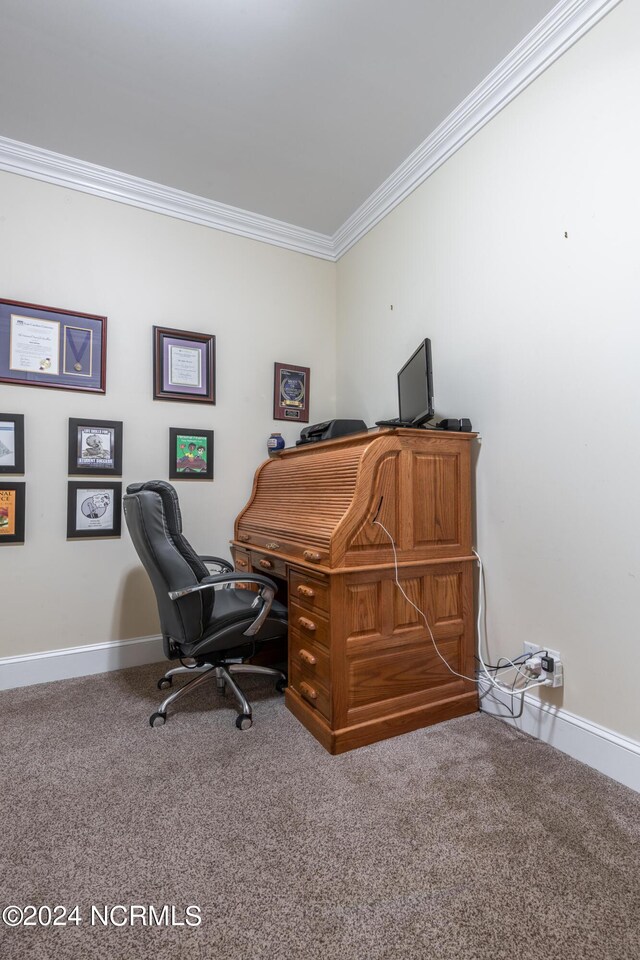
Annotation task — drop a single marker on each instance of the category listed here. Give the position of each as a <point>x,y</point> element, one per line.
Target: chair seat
<point>234,608</point>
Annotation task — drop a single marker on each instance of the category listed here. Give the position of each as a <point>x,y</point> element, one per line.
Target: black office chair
<point>204,617</point>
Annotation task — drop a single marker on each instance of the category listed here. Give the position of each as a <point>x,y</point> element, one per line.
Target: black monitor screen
<point>415,387</point>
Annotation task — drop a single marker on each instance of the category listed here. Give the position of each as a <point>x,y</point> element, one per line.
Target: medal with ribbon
<point>78,340</point>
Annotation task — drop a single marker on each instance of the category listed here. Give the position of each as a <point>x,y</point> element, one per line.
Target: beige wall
<point>536,337</point>
<point>65,249</point>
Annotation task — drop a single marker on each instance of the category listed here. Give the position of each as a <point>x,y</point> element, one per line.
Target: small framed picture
<point>95,447</point>
<point>94,509</point>
<point>291,392</point>
<point>184,366</point>
<point>49,347</point>
<point>11,443</point>
<point>12,500</point>
<point>190,454</point>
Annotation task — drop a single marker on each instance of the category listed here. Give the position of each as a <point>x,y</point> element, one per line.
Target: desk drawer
<point>309,624</point>
<point>309,658</point>
<point>264,563</point>
<point>315,694</point>
<point>310,590</point>
<point>241,560</point>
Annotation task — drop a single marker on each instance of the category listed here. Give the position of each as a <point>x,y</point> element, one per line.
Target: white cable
<point>491,679</point>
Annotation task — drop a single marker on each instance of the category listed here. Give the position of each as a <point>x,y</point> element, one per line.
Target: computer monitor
<point>415,387</point>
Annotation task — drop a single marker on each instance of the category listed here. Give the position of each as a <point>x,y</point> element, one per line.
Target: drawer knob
<point>311,555</point>
<point>308,657</point>
<point>307,624</point>
<point>306,591</point>
<point>308,692</point>
<point>266,564</point>
<point>241,563</point>
<point>243,536</point>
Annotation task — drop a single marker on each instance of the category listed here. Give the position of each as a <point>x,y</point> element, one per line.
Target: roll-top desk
<point>362,665</point>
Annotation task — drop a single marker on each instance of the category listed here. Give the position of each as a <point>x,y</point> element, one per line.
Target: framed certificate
<point>291,392</point>
<point>94,509</point>
<point>49,347</point>
<point>95,447</point>
<point>183,366</point>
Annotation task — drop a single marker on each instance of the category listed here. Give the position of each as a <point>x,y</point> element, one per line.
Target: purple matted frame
<point>184,365</point>
<point>77,341</point>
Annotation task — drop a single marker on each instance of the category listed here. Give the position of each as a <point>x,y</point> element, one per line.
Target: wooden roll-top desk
<point>362,663</point>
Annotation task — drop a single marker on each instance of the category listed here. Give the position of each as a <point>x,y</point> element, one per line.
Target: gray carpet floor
<point>464,840</point>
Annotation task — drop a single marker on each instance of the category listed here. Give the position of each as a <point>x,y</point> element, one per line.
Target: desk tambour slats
<point>361,662</point>
<point>302,500</point>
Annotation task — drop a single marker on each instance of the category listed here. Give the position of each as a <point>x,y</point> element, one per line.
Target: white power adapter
<point>533,666</point>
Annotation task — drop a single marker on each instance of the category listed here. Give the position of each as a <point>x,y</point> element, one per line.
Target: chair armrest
<point>209,582</point>
<point>225,566</point>
<point>264,598</point>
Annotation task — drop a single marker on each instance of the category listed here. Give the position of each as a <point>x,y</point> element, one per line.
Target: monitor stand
<point>397,422</point>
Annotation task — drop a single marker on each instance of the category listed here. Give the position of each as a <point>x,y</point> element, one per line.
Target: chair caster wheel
<point>165,682</point>
<point>282,684</point>
<point>243,721</point>
<point>157,719</point>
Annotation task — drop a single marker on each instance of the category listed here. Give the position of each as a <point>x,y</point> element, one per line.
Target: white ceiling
<point>294,109</point>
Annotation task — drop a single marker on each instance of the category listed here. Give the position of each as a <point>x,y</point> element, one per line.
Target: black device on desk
<point>330,430</point>
<point>452,423</point>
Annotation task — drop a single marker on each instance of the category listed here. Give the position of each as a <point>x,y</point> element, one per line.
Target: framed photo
<point>11,443</point>
<point>12,499</point>
<point>94,509</point>
<point>95,447</point>
<point>49,347</point>
<point>291,393</point>
<point>184,366</point>
<point>190,454</point>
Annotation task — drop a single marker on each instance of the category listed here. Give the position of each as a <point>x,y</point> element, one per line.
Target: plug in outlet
<point>551,664</point>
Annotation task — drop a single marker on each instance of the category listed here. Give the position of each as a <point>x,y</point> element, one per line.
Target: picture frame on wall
<point>50,347</point>
<point>190,454</point>
<point>95,447</point>
<point>184,366</point>
<point>291,392</point>
<point>94,509</point>
<point>12,511</point>
<point>11,443</point>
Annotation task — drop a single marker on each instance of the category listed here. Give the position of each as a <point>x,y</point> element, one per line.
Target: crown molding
<point>29,161</point>
<point>561,28</point>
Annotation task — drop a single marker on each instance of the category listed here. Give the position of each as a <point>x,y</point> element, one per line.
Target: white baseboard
<point>78,661</point>
<point>616,756</point>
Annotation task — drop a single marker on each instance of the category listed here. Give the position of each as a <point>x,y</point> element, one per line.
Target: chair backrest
<point>153,517</point>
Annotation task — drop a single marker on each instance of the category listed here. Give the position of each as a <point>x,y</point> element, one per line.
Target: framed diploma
<point>94,509</point>
<point>184,366</point>
<point>12,498</point>
<point>11,443</point>
<point>190,454</point>
<point>291,393</point>
<point>49,347</point>
<point>95,447</point>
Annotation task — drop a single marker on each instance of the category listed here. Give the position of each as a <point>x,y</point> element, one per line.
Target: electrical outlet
<point>555,676</point>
